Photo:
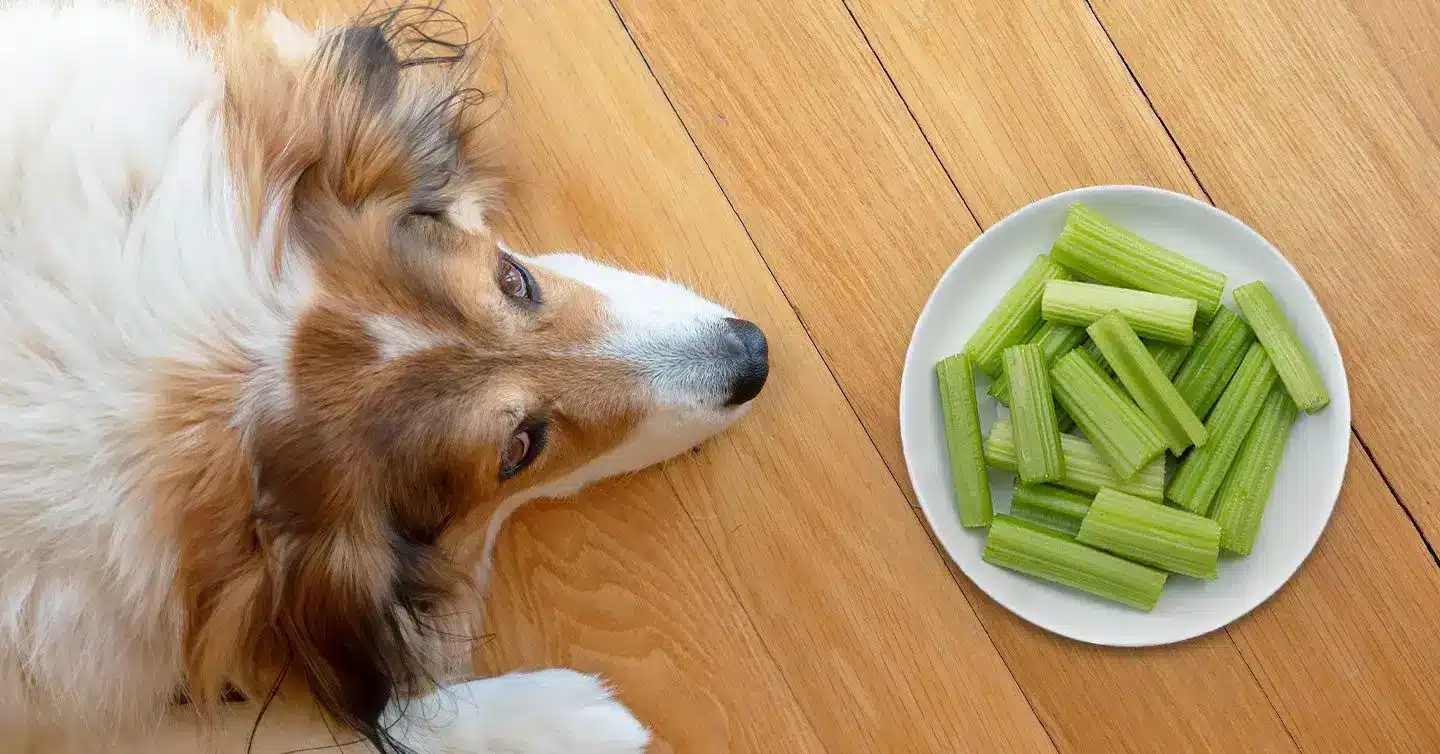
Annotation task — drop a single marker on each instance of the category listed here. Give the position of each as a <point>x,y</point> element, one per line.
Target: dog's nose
<point>754,361</point>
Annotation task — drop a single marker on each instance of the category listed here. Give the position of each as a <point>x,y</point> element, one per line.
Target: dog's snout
<point>754,356</point>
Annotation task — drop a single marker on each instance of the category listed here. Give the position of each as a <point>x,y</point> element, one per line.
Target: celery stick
<point>1097,248</point>
<point>1242,498</point>
<point>962,435</point>
<point>1157,535</point>
<point>1292,362</point>
<point>1216,356</point>
<point>1032,413</point>
<point>1147,383</point>
<point>1036,551</point>
<point>1168,319</point>
<point>1203,470</point>
<point>1055,340</point>
<point>1052,507</point>
<point>1015,317</point>
<point>1086,471</point>
<point>1124,435</point>
<point>1168,356</point>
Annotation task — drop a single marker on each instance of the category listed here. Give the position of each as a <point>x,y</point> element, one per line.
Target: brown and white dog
<point>269,383</point>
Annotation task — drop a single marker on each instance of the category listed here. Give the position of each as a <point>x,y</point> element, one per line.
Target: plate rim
<point>1342,392</point>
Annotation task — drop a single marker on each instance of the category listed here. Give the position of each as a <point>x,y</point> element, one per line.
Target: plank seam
<point>908,111</point>
<point>1413,522</point>
<point>1206,193</point>
<point>805,327</point>
<point>1244,660</point>
<point>1174,142</point>
<point>874,53</point>
<point>729,584</point>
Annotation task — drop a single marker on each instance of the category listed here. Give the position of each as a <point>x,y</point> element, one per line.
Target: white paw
<point>547,712</point>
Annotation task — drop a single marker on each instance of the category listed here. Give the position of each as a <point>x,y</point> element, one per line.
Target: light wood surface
<point>816,164</point>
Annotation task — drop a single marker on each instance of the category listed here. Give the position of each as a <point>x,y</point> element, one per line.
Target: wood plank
<point>815,557</point>
<point>1347,650</point>
<point>822,207</point>
<point>1406,37</point>
<point>1020,99</point>
<point>621,583</point>
<point>1298,129</point>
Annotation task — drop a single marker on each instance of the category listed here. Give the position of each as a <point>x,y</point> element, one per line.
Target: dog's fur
<point>269,383</point>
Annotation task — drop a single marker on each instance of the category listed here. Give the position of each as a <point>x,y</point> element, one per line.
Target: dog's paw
<point>546,712</point>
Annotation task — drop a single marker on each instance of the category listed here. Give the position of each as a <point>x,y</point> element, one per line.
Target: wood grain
<point>1298,129</point>
<point>815,556</point>
<point>1020,99</point>
<point>620,583</point>
<point>826,168</point>
<point>1347,649</point>
<point>774,129</point>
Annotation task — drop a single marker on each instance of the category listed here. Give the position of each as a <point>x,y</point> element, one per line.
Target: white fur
<point>120,245</point>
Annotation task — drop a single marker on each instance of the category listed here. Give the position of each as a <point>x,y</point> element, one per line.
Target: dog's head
<point>432,377</point>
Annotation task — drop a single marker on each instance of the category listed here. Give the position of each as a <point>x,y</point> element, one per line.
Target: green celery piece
<point>1045,554</point>
<point>1216,356</point>
<point>1086,471</point>
<point>1146,382</point>
<point>1292,362</point>
<point>1055,340</point>
<point>1107,253</point>
<point>1168,356</point>
<point>1032,414</point>
<point>1124,435</point>
<point>1015,317</point>
<point>1246,491</point>
<point>1203,471</point>
<point>1168,319</point>
<point>1050,506</point>
<point>962,435</point>
<point>1171,355</point>
<point>1158,535</point>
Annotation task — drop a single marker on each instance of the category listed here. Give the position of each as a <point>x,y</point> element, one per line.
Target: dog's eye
<point>523,446</point>
<point>515,282</point>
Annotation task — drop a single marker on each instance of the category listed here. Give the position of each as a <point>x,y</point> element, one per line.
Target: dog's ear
<point>400,107</point>
<point>354,590</point>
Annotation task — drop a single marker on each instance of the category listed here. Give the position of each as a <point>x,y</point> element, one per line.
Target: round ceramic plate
<point>1309,477</point>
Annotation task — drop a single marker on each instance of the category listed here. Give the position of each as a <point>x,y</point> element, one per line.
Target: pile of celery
<point>1129,343</point>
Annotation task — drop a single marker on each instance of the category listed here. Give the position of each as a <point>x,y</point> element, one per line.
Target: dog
<point>270,382</point>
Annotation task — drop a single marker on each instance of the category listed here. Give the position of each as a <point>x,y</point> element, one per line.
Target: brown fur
<point>331,535</point>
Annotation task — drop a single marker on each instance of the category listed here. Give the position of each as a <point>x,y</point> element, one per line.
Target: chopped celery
<point>1053,507</point>
<point>1125,436</point>
<point>1157,535</point>
<point>1246,491</point>
<point>1085,470</point>
<point>1055,340</point>
<point>1097,248</point>
<point>1032,413</point>
<point>1213,361</point>
<point>1015,317</point>
<point>1097,357</point>
<point>1168,356</point>
<point>1147,383</point>
<point>1036,551</point>
<point>1168,319</point>
<point>1289,356</point>
<point>962,435</point>
<point>1203,470</point>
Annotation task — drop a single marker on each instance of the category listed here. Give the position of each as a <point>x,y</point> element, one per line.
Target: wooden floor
<point>817,164</point>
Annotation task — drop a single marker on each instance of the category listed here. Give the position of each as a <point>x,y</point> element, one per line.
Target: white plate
<point>1310,474</point>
